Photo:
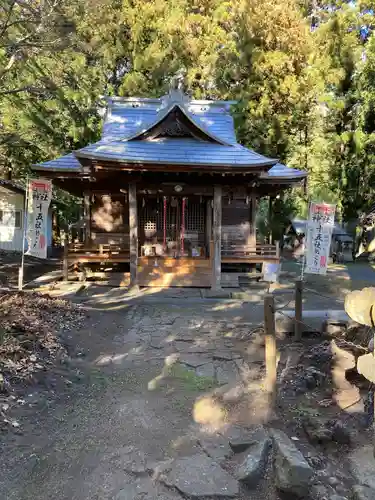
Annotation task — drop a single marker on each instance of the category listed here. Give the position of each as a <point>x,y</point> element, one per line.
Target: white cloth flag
<point>39,199</point>
<point>318,238</point>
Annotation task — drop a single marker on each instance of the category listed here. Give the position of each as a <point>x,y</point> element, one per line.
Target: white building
<point>12,216</point>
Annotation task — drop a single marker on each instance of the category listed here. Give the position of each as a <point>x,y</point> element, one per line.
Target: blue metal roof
<point>126,119</point>
<point>67,163</point>
<point>280,172</point>
<point>174,152</point>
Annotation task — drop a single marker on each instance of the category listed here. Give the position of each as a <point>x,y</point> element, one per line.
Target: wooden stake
<point>270,346</point>
<point>298,311</point>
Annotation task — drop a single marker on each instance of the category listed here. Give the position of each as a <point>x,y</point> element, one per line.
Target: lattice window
<point>194,216</point>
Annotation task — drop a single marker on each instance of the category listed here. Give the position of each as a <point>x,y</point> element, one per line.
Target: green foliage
<point>300,70</point>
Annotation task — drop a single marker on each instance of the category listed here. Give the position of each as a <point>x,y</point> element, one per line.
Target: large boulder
<point>292,472</point>
<point>241,438</point>
<point>361,492</point>
<point>254,464</point>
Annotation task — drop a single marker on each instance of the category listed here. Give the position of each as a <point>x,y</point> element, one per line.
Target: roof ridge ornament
<point>176,92</point>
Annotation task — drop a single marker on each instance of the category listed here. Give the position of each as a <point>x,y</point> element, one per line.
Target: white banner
<point>39,199</point>
<point>318,237</point>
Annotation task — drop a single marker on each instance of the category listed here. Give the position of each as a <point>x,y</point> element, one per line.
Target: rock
<point>223,356</point>
<point>199,476</point>
<point>216,447</point>
<point>337,497</point>
<point>341,433</point>
<point>314,378</point>
<point>240,438</point>
<point>230,393</point>
<point>192,360</point>
<point>320,491</point>
<point>255,462</point>
<point>317,430</point>
<point>143,489</point>
<point>361,492</point>
<point>333,481</point>
<point>226,372</point>
<point>207,371</point>
<point>292,473</point>
<point>362,464</point>
<point>134,461</point>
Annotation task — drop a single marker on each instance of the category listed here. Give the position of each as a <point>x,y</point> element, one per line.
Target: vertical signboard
<point>318,238</point>
<point>39,199</point>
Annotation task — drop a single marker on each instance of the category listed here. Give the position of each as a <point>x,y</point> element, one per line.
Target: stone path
<point>170,405</point>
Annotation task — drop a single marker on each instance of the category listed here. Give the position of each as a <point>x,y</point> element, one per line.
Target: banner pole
<point>24,226</point>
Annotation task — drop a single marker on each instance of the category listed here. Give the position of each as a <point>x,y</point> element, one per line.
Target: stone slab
<point>292,472</point>
<point>200,476</point>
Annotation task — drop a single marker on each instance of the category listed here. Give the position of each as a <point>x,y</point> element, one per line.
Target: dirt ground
<point>134,385</point>
<point>10,263</point>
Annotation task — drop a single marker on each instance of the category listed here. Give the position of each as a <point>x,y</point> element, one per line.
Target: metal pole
<point>24,225</point>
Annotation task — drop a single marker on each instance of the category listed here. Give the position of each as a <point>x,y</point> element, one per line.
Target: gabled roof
<point>12,186</point>
<point>174,152</point>
<point>172,130</point>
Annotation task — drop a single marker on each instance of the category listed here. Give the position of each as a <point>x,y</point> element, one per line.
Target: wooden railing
<point>259,252</point>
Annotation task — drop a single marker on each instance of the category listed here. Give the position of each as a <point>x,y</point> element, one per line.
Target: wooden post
<point>87,217</point>
<point>133,233</point>
<point>270,346</point>
<point>252,240</point>
<point>209,226</point>
<point>65,260</point>
<point>270,202</point>
<point>216,258</point>
<point>298,311</point>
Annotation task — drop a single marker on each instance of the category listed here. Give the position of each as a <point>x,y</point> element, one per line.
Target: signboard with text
<point>318,238</point>
<point>39,199</point>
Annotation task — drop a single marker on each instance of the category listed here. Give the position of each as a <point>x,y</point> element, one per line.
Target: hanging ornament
<point>143,202</point>
<point>183,226</point>
<point>164,222</point>
<point>247,199</point>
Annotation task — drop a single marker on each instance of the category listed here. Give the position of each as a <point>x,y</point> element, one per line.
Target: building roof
<point>338,232</point>
<point>12,186</point>
<point>280,173</point>
<point>172,130</point>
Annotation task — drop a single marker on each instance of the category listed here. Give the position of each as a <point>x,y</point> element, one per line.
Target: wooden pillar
<point>270,210</point>
<point>252,240</point>
<point>87,216</point>
<point>216,233</point>
<point>133,233</point>
<point>209,226</point>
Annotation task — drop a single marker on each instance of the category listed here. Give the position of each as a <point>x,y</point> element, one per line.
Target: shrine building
<point>169,194</point>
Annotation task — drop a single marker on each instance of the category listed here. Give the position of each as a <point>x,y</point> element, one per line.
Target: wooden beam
<point>133,233</point>
<point>216,257</point>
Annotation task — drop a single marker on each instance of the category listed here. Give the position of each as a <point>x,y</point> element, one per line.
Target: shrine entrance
<point>173,226</point>
<point>174,241</point>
